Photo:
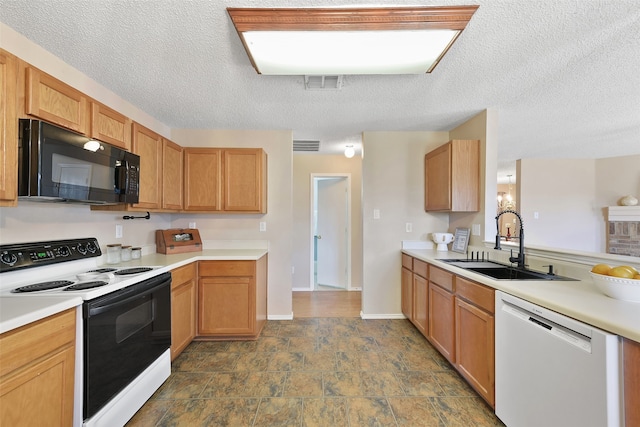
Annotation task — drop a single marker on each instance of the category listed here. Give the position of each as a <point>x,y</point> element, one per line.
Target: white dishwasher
<point>553,371</point>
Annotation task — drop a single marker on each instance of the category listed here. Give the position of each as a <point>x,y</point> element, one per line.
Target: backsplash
<point>624,238</point>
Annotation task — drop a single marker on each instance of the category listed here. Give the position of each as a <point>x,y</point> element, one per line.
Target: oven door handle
<point>99,309</point>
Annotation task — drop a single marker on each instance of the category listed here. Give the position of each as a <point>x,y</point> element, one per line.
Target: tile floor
<point>317,372</point>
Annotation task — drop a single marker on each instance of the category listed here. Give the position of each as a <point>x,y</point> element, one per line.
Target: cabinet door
<point>407,293</point>
<point>203,175</point>
<point>420,303</point>
<point>8,130</point>
<point>41,394</point>
<point>631,352</point>
<point>244,180</point>
<point>110,126</point>
<point>183,316</point>
<point>441,321</point>
<point>50,99</point>
<point>148,145</point>
<point>475,348</point>
<point>437,175</point>
<point>226,305</point>
<point>37,372</point>
<point>172,175</point>
<point>465,175</point>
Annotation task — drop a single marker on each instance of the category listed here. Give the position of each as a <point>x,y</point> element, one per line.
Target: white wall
<point>393,183</point>
<point>303,166</point>
<point>569,196</point>
<point>562,192</point>
<point>278,146</point>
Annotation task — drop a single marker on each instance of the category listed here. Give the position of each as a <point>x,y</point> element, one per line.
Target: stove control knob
<point>82,249</point>
<point>8,258</point>
<point>91,247</point>
<point>63,251</point>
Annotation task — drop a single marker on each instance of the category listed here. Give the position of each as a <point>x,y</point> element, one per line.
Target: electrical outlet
<point>118,231</point>
<point>376,214</point>
<point>192,224</point>
<point>536,215</point>
<point>475,229</point>
<point>408,227</point>
<point>263,226</point>
<point>293,270</point>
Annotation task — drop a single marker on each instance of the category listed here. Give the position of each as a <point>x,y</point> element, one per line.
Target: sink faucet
<point>520,258</point>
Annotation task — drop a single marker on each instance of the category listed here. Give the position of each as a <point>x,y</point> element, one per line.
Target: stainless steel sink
<point>499,271</point>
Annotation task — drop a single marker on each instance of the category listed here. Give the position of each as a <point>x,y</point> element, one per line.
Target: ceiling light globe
<point>349,152</point>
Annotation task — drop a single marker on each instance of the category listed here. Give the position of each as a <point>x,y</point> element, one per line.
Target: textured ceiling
<point>563,75</point>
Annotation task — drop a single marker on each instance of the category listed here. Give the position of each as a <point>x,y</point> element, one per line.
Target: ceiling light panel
<point>347,40</point>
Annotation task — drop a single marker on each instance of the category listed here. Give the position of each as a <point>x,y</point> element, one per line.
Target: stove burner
<point>135,270</point>
<point>86,285</point>
<point>43,286</point>
<point>102,270</point>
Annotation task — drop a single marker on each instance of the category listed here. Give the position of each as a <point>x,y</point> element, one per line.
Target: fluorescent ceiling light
<point>348,41</point>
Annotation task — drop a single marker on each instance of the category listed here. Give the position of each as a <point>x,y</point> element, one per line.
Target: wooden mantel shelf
<point>622,213</point>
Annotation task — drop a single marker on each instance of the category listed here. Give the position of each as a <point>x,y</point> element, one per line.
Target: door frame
<point>312,199</point>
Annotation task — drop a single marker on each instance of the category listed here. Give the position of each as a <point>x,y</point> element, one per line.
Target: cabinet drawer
<point>407,261</point>
<point>227,268</point>
<point>477,294</point>
<point>30,342</point>
<point>442,278</point>
<point>183,274</point>
<point>420,268</point>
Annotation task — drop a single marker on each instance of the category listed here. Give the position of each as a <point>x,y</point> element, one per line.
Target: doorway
<point>330,232</point>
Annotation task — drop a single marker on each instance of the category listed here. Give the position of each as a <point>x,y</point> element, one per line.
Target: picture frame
<point>461,240</point>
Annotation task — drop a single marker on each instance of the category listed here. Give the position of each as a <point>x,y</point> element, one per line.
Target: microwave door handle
<point>122,175</point>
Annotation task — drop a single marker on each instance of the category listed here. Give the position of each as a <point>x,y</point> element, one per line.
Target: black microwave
<point>58,165</point>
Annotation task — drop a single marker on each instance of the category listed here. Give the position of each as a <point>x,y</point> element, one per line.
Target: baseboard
<point>382,316</point>
<point>280,316</point>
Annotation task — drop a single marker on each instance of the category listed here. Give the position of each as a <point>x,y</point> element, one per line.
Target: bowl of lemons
<point>619,282</point>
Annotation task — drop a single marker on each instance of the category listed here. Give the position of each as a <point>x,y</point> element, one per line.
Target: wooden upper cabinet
<point>110,126</point>
<point>452,177</point>
<point>202,179</point>
<point>172,175</point>
<point>49,99</point>
<point>148,145</point>
<point>8,129</point>
<point>245,180</point>
<point>226,180</point>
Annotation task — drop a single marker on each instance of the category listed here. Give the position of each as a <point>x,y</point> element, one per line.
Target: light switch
<point>536,215</point>
<point>263,226</point>
<point>118,231</point>
<point>408,227</point>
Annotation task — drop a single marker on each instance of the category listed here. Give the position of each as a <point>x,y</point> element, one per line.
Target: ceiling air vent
<point>299,145</point>
<point>323,82</point>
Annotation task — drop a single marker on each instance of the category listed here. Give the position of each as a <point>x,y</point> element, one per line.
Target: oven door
<point>125,331</point>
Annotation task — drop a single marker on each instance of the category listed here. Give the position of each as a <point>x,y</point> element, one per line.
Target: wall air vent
<point>300,145</point>
<point>323,82</point>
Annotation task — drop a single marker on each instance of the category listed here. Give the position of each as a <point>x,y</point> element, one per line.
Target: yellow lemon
<point>621,272</point>
<point>631,269</point>
<point>601,269</point>
<point>637,276</point>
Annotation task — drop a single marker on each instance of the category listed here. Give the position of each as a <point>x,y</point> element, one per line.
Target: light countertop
<point>19,311</point>
<point>578,299</point>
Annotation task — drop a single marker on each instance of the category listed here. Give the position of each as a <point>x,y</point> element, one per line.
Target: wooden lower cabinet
<point>631,355</point>
<point>407,293</point>
<point>183,307</point>
<point>232,299</point>
<point>441,321</point>
<point>456,315</point>
<point>37,372</point>
<point>421,303</point>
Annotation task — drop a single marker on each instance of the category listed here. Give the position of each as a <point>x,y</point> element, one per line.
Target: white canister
<point>113,253</point>
<point>136,253</point>
<point>126,253</point>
